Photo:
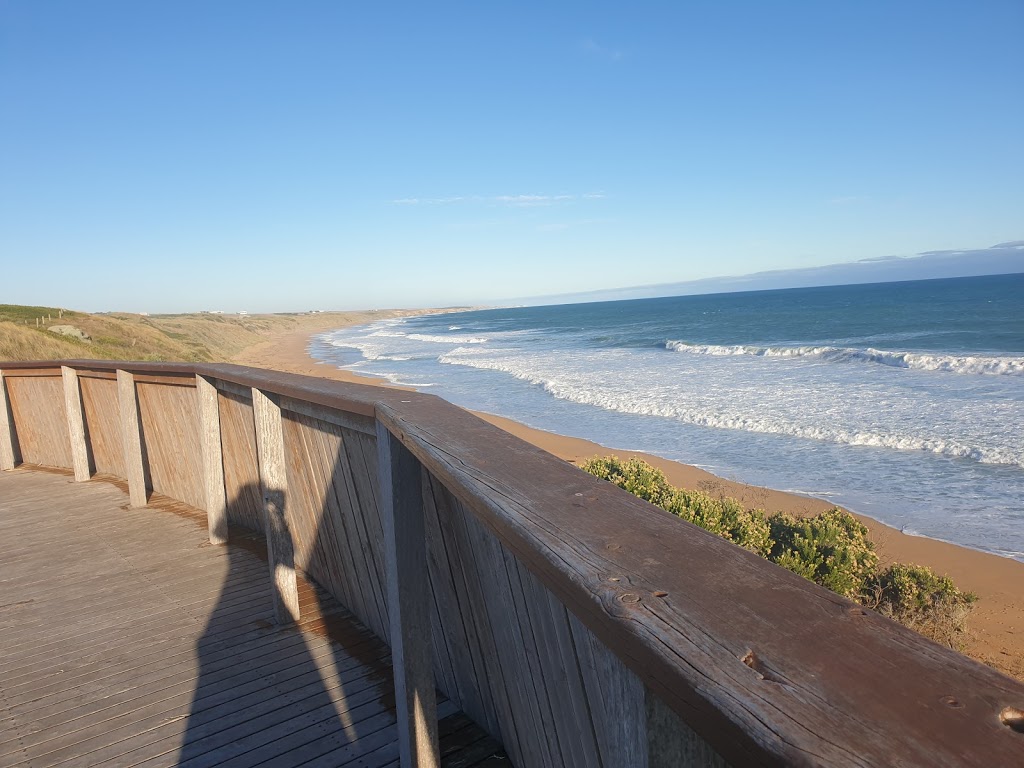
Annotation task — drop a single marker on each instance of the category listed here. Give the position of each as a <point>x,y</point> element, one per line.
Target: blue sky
<point>185,155</point>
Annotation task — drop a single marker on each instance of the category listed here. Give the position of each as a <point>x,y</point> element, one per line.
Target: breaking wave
<point>624,401</point>
<point>968,364</point>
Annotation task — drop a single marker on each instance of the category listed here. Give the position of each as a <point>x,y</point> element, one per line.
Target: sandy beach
<point>996,626</point>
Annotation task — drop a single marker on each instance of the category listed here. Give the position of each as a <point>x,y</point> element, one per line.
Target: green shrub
<point>636,476</point>
<point>725,517</point>
<point>915,597</point>
<point>831,548</point>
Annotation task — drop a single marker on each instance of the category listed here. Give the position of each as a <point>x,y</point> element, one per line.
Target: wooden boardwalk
<point>126,639</point>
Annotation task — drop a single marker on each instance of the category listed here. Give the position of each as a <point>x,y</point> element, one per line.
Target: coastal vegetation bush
<point>917,598</point>
<point>831,548</point>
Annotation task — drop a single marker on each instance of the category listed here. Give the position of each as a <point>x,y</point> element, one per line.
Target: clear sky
<point>187,155</point>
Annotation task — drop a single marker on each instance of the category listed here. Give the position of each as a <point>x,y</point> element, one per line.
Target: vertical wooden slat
<point>7,442</point>
<point>274,483</point>
<point>408,589</point>
<point>616,701</point>
<point>213,464</point>
<point>76,423</point>
<point>671,742</point>
<point>131,438</point>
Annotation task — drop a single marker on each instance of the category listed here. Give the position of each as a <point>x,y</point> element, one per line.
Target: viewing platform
<point>217,565</point>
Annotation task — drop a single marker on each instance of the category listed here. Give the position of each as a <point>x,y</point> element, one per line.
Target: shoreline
<point>996,626</point>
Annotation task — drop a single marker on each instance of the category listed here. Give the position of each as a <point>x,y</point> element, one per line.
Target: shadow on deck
<point>129,640</point>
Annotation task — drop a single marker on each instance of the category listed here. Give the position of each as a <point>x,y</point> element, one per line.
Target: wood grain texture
<point>337,534</point>
<point>170,433</point>
<point>352,421</point>
<point>408,590</point>
<point>241,467</point>
<point>9,454</point>
<point>277,525</point>
<point>40,421</point>
<point>102,423</point>
<point>671,742</point>
<point>131,438</point>
<point>213,463</point>
<point>76,424</point>
<point>764,667</point>
<point>173,660</point>
<point>827,682</point>
<point>617,703</point>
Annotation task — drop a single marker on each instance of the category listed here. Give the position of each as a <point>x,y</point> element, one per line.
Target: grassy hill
<point>123,336</point>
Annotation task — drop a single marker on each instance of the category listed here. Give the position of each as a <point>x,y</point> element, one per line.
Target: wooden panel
<point>337,525</point>
<point>352,421</point>
<point>170,435</point>
<point>76,424</point>
<point>671,742</point>
<point>408,591</point>
<point>616,700</point>
<point>550,690</point>
<point>241,471</point>
<point>9,454</point>
<point>468,631</point>
<point>40,419</point>
<point>99,402</point>
<point>766,667</point>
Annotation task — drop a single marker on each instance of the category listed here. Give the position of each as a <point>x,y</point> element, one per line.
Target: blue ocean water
<point>904,401</point>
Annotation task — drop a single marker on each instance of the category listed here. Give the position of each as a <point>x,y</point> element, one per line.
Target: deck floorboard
<point>127,640</point>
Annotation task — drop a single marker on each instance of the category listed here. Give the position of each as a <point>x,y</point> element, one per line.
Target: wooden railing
<point>578,624</point>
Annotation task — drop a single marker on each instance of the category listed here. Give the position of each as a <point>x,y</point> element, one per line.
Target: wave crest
<point>601,397</point>
<point>968,364</point>
<point>448,339</point>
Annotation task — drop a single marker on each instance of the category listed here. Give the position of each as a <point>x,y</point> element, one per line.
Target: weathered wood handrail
<point>579,624</point>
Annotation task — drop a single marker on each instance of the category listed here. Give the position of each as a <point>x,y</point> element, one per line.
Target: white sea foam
<point>448,339</point>
<point>567,386</point>
<point>968,364</point>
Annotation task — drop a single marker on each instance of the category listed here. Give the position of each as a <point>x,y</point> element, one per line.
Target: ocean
<point>902,401</point>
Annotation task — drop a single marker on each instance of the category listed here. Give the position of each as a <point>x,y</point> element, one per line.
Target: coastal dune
<point>996,626</point>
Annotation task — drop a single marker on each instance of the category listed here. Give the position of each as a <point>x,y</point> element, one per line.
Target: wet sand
<point>996,624</point>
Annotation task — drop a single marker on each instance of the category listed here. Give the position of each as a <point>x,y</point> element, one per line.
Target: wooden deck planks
<point>126,639</point>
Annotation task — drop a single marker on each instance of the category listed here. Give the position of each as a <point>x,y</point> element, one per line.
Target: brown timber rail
<point>578,624</point>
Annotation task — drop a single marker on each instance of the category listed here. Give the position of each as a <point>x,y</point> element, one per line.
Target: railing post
<point>8,452</point>
<point>213,461</point>
<point>76,423</point>
<point>274,481</point>
<point>409,599</point>
<point>131,438</point>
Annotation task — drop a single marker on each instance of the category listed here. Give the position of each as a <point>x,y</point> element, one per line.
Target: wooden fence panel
<point>338,537</point>
<point>102,424</point>
<point>170,434</point>
<point>241,471</point>
<point>520,663</point>
<point>37,404</point>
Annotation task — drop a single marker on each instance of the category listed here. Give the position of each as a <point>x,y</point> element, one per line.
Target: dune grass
<point>121,336</point>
